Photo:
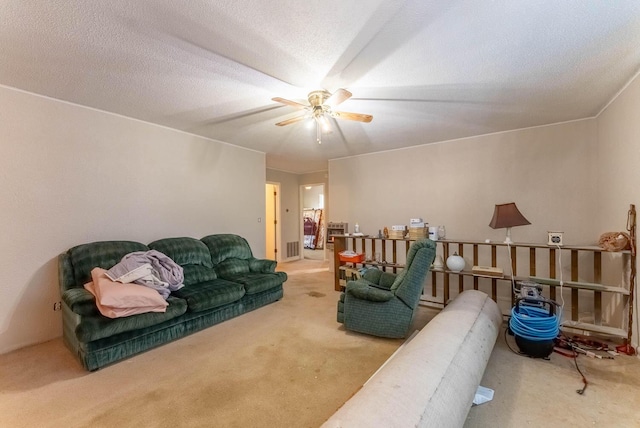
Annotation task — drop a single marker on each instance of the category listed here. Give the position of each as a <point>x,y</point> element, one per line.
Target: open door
<point>313,221</point>
<point>272,198</point>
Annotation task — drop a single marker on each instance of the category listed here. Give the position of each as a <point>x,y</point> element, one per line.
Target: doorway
<point>313,221</point>
<point>272,221</point>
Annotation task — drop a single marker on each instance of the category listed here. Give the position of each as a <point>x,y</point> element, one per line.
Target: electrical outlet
<point>57,306</point>
<point>555,238</point>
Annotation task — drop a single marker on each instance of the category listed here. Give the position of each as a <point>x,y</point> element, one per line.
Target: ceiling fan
<point>321,104</point>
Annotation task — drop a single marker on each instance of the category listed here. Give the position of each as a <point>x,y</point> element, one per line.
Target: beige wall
<point>577,177</point>
<point>290,214</point>
<point>311,196</point>
<point>617,165</point>
<point>72,175</point>
<point>545,170</point>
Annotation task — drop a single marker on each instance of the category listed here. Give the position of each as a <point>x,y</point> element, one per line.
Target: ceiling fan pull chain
<point>318,132</point>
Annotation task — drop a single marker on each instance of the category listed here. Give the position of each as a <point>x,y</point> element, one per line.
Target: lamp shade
<point>507,215</point>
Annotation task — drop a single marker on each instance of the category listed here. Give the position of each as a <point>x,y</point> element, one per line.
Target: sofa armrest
<point>80,301</point>
<point>262,265</point>
<point>366,291</point>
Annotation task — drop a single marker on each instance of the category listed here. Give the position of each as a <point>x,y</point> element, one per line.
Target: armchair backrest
<point>409,283</point>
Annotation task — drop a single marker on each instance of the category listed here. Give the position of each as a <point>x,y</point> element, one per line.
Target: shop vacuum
<point>535,321</point>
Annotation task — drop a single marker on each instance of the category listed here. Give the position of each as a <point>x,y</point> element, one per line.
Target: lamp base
<point>508,240</point>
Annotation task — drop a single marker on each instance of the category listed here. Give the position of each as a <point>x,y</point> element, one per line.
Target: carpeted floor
<point>290,364</point>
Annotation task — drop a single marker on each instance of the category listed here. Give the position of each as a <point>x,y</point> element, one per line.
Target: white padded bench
<point>432,380</point>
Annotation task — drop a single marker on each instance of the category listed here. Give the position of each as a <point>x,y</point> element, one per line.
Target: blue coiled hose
<point>534,323</point>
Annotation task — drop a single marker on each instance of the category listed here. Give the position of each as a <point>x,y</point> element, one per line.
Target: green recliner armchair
<point>382,303</point>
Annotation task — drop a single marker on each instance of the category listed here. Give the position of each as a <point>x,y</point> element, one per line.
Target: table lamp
<point>507,215</point>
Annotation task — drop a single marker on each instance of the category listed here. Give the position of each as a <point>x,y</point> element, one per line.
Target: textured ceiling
<point>427,71</point>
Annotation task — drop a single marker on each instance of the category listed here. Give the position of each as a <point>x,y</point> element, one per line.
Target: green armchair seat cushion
<point>210,294</point>
<point>94,327</point>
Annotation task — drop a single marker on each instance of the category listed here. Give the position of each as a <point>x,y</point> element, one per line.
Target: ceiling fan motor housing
<point>317,98</point>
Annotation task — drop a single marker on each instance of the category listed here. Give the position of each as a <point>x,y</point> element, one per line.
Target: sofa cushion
<point>258,282</point>
<point>210,294</point>
<point>194,274</point>
<point>94,327</point>
<point>191,254</point>
<point>184,251</point>
<point>232,267</point>
<point>104,254</point>
<point>225,246</point>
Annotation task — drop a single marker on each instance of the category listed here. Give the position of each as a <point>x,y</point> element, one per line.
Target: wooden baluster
<point>338,246</point>
<point>434,280</point>
<point>384,254</point>
<point>597,295</point>
<point>373,250</point>
<point>574,291</point>
<point>532,261</point>
<point>445,284</point>
<point>394,256</point>
<point>460,277</point>
<point>494,282</point>
<point>514,272</point>
<point>552,271</point>
<point>475,263</point>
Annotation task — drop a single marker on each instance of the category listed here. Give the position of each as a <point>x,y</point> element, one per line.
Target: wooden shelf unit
<point>487,254</point>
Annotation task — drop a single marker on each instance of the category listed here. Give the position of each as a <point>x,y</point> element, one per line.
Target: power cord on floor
<point>584,379</point>
<point>506,331</point>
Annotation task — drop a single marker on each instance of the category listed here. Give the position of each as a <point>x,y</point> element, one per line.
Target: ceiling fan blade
<point>289,103</point>
<point>338,97</point>
<point>352,116</point>
<point>292,120</point>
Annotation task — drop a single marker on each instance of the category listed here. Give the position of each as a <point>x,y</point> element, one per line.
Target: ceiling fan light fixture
<point>324,123</point>
<point>321,104</point>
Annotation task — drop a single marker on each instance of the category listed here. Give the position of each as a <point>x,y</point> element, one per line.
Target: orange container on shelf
<point>350,257</point>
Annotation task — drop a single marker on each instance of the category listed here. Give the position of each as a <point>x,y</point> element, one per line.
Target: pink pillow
<point>115,299</point>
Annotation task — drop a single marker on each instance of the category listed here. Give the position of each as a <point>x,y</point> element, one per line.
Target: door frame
<point>277,217</point>
<point>301,221</point>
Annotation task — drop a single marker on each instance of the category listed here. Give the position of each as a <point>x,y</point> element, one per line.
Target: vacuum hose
<point>534,323</point>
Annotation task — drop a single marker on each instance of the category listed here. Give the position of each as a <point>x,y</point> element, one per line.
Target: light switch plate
<point>555,238</point>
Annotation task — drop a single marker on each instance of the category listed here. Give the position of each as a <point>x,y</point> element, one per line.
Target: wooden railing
<point>579,267</point>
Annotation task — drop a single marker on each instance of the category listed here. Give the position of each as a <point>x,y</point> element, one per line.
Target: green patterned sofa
<point>222,280</point>
<point>382,303</point>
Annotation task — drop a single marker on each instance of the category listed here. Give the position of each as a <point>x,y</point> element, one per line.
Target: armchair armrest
<point>262,265</point>
<point>379,279</point>
<point>366,291</point>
